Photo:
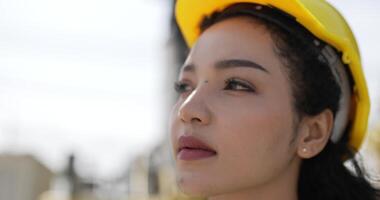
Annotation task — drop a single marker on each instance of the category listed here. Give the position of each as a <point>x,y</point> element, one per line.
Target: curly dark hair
<point>314,89</point>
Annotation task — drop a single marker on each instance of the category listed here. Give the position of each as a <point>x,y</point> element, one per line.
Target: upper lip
<point>192,142</point>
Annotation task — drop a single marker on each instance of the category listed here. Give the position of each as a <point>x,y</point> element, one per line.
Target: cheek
<point>263,126</point>
<point>255,138</point>
<point>258,130</point>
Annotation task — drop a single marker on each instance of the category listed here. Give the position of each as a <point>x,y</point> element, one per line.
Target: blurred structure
<point>22,177</point>
<point>81,189</point>
<point>68,185</point>
<point>152,176</point>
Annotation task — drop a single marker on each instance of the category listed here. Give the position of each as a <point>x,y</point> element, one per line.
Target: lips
<point>191,148</point>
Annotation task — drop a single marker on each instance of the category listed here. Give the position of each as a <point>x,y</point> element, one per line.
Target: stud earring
<point>304,150</point>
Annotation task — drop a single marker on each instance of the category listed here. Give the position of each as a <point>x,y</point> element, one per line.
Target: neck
<point>283,187</point>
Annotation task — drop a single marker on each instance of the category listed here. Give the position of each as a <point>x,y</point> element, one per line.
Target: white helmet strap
<point>340,74</point>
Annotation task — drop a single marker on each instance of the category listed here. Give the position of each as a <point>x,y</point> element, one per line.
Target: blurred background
<point>86,91</point>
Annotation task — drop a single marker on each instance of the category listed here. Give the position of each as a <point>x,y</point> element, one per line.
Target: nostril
<point>195,120</point>
<point>183,117</point>
<point>190,119</point>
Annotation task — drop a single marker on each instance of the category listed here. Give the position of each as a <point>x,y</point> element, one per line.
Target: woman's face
<point>235,97</point>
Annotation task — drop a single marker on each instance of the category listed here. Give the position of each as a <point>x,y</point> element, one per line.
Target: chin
<point>193,187</point>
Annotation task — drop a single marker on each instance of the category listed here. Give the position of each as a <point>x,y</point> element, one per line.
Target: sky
<point>82,76</point>
<point>87,76</point>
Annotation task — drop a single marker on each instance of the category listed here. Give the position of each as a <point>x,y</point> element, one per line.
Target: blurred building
<point>152,176</point>
<point>69,185</point>
<point>22,177</point>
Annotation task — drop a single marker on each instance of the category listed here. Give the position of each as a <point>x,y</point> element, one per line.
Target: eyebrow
<point>225,64</point>
<point>231,63</point>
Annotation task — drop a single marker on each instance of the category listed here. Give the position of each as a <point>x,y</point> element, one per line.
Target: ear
<point>314,133</point>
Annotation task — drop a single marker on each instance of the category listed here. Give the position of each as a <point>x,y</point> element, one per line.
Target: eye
<point>238,85</point>
<point>181,87</point>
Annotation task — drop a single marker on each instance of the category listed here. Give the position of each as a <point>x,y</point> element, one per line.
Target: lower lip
<point>194,154</point>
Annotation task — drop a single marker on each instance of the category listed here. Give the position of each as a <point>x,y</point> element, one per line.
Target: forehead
<point>234,38</point>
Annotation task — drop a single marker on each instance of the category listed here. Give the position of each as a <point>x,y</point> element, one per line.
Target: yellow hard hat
<point>320,18</point>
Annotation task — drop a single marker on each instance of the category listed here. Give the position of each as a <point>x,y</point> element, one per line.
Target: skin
<point>250,121</point>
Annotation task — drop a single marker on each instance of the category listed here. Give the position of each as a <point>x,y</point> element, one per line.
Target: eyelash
<point>181,87</point>
<point>234,81</point>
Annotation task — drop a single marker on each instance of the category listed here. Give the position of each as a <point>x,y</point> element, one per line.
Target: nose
<point>194,109</point>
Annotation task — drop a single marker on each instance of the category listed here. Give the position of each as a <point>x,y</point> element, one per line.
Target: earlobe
<point>314,134</point>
